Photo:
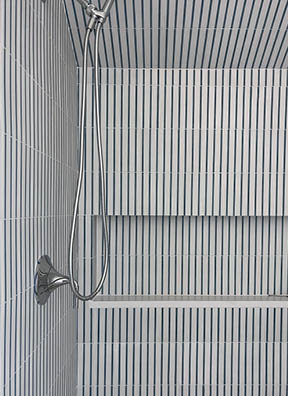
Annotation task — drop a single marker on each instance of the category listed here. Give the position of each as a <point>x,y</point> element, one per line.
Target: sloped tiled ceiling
<point>188,33</point>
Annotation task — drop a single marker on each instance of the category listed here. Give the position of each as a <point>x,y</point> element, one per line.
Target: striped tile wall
<point>188,255</point>
<point>188,34</point>
<point>194,107</point>
<point>190,142</point>
<point>197,199</point>
<point>38,170</point>
<point>222,351</point>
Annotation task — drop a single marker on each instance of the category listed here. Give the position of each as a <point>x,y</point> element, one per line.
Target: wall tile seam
<point>227,70</point>
<point>229,384</point>
<point>35,350</point>
<point>13,299</point>
<point>180,255</point>
<point>191,85</point>
<point>42,88</point>
<point>86,344</point>
<point>83,216</point>
<point>36,218</point>
<point>27,361</point>
<point>195,172</point>
<point>68,67</point>
<point>44,154</point>
<point>188,28</point>
<point>46,32</point>
<point>123,127</point>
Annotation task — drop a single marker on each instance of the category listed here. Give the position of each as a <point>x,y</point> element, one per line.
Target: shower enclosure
<point>190,102</point>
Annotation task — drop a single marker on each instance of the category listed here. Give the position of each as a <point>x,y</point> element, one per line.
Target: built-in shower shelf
<point>189,302</point>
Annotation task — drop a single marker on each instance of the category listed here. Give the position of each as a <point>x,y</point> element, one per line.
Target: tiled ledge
<point>188,302</point>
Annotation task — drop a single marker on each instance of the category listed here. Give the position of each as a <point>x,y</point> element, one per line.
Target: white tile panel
<point>38,161</point>
<point>190,142</point>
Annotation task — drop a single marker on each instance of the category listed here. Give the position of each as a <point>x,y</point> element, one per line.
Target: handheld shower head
<point>92,10</point>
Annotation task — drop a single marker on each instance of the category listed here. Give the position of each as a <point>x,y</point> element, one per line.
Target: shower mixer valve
<point>47,279</point>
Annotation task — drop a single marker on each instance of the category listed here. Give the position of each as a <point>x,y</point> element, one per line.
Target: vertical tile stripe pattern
<point>190,142</point>
<point>215,145</point>
<point>186,351</point>
<point>188,34</point>
<point>197,199</point>
<point>38,171</point>
<point>187,255</point>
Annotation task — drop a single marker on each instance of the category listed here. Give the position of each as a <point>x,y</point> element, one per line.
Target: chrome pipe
<point>106,8</point>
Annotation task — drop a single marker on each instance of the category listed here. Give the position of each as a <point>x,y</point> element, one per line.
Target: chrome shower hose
<point>73,283</point>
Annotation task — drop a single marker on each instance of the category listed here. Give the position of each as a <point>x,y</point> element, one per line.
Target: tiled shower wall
<point>185,255</point>
<point>191,142</point>
<point>38,171</point>
<point>197,205</point>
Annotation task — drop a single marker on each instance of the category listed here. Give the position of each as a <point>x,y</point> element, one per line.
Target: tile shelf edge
<point>188,302</point>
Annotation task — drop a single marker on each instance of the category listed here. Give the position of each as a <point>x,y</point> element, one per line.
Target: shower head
<point>93,11</point>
